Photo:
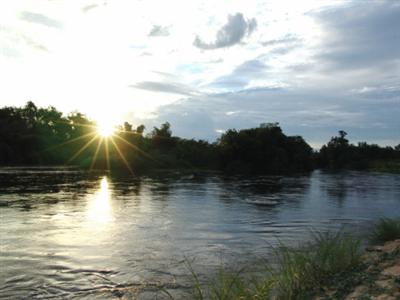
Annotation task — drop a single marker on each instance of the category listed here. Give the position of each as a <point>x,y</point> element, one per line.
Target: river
<point>66,233</point>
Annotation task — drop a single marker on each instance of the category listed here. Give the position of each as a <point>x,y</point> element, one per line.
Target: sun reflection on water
<point>99,208</point>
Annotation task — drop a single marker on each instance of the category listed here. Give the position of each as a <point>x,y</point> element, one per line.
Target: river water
<point>65,233</point>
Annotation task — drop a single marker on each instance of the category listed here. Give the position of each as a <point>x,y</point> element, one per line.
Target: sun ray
<point>106,149</point>
<point>91,126</point>
<point>121,155</point>
<point>69,141</point>
<point>136,148</point>
<point>96,153</point>
<point>81,149</point>
<point>130,132</point>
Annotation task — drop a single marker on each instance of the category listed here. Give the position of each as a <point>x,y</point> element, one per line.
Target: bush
<point>386,230</point>
<point>302,270</point>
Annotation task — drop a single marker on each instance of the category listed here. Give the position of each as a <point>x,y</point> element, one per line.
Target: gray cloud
<point>162,87</point>
<point>159,30</point>
<point>286,40</point>
<point>281,50</point>
<point>362,35</point>
<point>301,67</point>
<point>89,7</point>
<point>381,92</point>
<point>241,75</point>
<point>230,34</point>
<point>40,19</point>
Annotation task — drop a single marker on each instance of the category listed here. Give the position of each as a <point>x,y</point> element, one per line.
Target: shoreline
<point>329,266</point>
<point>377,279</point>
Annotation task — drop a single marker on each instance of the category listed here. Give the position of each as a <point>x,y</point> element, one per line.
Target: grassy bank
<point>385,230</point>
<point>329,266</point>
<point>387,166</point>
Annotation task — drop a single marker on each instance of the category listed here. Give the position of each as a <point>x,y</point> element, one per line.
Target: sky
<point>316,67</point>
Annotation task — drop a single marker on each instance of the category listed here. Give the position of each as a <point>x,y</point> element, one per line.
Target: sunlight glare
<point>105,129</point>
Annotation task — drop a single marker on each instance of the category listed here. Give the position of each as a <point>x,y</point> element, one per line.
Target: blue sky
<point>315,67</point>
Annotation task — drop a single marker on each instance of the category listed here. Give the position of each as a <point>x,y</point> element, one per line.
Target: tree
<point>264,149</point>
<point>140,129</point>
<point>127,127</point>
<point>164,131</point>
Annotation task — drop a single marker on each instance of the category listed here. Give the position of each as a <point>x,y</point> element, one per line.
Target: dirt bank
<point>378,279</point>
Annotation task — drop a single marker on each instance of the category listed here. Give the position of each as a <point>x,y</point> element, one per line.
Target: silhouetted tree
<point>339,153</point>
<point>127,127</point>
<point>164,131</point>
<point>32,135</point>
<point>264,149</point>
<point>140,129</point>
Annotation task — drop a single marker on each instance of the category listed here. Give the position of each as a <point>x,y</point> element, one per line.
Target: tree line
<point>31,135</point>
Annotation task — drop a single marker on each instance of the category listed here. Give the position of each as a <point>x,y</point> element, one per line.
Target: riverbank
<point>377,279</point>
<point>329,266</point>
<point>390,166</point>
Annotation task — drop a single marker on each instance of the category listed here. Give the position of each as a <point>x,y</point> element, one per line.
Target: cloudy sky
<point>315,67</point>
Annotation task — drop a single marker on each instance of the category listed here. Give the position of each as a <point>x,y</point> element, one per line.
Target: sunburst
<point>105,129</point>
<point>106,135</point>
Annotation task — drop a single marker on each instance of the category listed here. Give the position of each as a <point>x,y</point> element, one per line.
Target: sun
<point>105,129</point>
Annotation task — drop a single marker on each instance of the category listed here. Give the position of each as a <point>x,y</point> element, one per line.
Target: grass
<point>303,271</point>
<point>389,166</point>
<point>230,286</point>
<point>329,261</point>
<point>386,230</point>
<point>300,272</point>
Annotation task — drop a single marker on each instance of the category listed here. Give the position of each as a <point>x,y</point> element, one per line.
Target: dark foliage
<point>30,136</point>
<point>265,149</point>
<point>339,153</point>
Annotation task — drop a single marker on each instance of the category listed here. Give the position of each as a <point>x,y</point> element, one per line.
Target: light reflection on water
<point>71,234</point>
<point>99,210</point>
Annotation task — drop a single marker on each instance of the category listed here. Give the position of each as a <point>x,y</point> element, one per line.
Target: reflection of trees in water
<point>30,188</point>
<point>266,190</point>
<point>264,185</point>
<point>233,187</point>
<point>337,188</point>
<point>123,186</point>
<point>160,187</point>
<point>253,185</point>
<point>35,182</point>
<point>51,187</point>
<point>126,190</point>
<point>163,184</point>
<point>296,185</point>
<point>48,188</point>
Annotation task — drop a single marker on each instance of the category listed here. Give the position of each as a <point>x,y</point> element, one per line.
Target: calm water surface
<point>69,234</point>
